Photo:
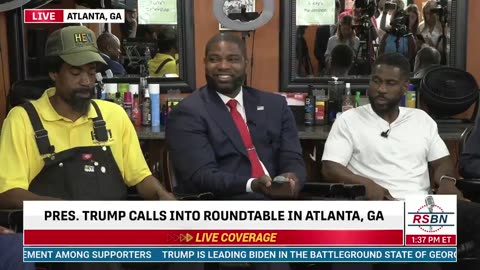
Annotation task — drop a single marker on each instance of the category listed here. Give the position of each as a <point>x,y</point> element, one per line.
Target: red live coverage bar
<point>214,237</point>
<point>431,240</point>
<point>43,15</point>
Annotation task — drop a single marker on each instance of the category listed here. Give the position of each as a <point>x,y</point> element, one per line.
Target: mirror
<point>309,54</point>
<point>134,39</point>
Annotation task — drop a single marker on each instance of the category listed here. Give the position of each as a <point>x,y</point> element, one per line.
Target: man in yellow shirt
<point>66,145</point>
<point>165,63</point>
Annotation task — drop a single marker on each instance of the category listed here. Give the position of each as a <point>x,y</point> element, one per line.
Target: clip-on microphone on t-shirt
<point>385,133</point>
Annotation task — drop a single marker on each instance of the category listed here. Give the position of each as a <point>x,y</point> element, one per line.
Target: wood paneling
<point>473,39</point>
<point>4,72</point>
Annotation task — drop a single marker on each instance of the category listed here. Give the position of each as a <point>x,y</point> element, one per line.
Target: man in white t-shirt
<point>386,147</point>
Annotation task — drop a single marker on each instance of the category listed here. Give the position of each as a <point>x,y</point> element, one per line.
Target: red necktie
<point>257,169</point>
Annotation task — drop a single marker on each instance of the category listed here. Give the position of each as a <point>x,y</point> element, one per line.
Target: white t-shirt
<point>398,162</point>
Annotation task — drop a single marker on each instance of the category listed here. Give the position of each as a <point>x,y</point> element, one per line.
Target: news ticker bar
<point>74,16</point>
<point>239,254</point>
<point>216,237</point>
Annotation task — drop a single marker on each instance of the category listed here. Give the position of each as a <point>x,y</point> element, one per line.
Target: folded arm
<point>470,158</point>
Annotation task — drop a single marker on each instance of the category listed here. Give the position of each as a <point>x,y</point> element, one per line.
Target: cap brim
<point>82,58</point>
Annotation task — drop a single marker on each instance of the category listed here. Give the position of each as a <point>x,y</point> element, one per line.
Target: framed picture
<point>235,6</point>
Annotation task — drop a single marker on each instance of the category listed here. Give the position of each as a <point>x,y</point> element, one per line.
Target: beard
<point>382,109</point>
<point>225,88</point>
<point>79,101</point>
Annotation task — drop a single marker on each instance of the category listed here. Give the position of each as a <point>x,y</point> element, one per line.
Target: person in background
<point>109,47</point>
<point>413,18</point>
<point>398,39</point>
<point>322,34</point>
<point>425,58</point>
<point>388,11</point>
<point>345,35</point>
<point>164,62</point>
<point>342,61</point>
<point>129,27</point>
<point>65,136</point>
<point>435,29</point>
<point>430,28</point>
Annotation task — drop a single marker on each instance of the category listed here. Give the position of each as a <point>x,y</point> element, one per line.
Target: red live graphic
<point>43,15</point>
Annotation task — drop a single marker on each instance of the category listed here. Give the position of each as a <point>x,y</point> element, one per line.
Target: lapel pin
<point>260,108</point>
<point>89,168</point>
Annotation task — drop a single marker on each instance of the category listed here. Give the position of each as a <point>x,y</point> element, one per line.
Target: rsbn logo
<point>430,217</point>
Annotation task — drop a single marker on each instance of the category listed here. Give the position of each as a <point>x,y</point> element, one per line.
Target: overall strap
<point>163,64</point>
<point>99,126</point>
<point>41,135</point>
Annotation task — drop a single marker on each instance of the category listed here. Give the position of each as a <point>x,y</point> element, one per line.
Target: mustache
<point>78,91</point>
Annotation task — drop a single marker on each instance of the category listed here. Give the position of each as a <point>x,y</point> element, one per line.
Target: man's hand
<point>151,189</point>
<point>376,192</point>
<point>448,187</point>
<point>4,230</point>
<point>285,190</point>
<point>262,185</point>
<point>293,181</point>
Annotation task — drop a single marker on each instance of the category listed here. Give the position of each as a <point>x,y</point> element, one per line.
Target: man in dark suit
<point>233,140</point>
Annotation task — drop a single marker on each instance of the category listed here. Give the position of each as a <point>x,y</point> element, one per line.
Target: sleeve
<point>437,148</point>
<point>13,152</point>
<point>470,157</point>
<point>194,157</point>
<point>135,168</point>
<point>339,144</point>
<point>290,156</point>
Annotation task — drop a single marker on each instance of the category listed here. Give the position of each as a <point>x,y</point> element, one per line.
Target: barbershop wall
<point>4,74</point>
<point>473,39</point>
<point>266,51</point>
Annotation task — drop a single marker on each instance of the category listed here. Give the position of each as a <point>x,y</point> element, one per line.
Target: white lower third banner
<point>240,254</point>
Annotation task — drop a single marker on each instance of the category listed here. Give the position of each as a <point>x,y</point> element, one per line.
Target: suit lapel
<point>220,114</point>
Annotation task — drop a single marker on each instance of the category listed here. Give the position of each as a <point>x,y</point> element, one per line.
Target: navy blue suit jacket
<point>208,153</point>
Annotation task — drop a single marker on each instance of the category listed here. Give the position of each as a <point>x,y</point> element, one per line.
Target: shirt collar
<point>48,113</point>
<point>401,114</point>
<point>238,98</point>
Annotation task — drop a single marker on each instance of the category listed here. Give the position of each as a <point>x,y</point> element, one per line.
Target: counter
<point>448,131</point>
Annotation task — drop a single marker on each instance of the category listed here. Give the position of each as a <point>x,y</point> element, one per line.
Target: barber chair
<point>170,181</point>
<point>21,92</point>
<point>26,90</point>
<point>468,253</point>
<point>448,93</point>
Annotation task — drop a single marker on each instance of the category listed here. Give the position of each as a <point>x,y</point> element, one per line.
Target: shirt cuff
<point>249,185</point>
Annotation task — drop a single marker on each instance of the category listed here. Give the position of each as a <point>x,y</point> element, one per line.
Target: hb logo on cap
<point>81,39</point>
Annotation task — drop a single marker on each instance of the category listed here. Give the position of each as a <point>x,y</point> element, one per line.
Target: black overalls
<point>80,173</point>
